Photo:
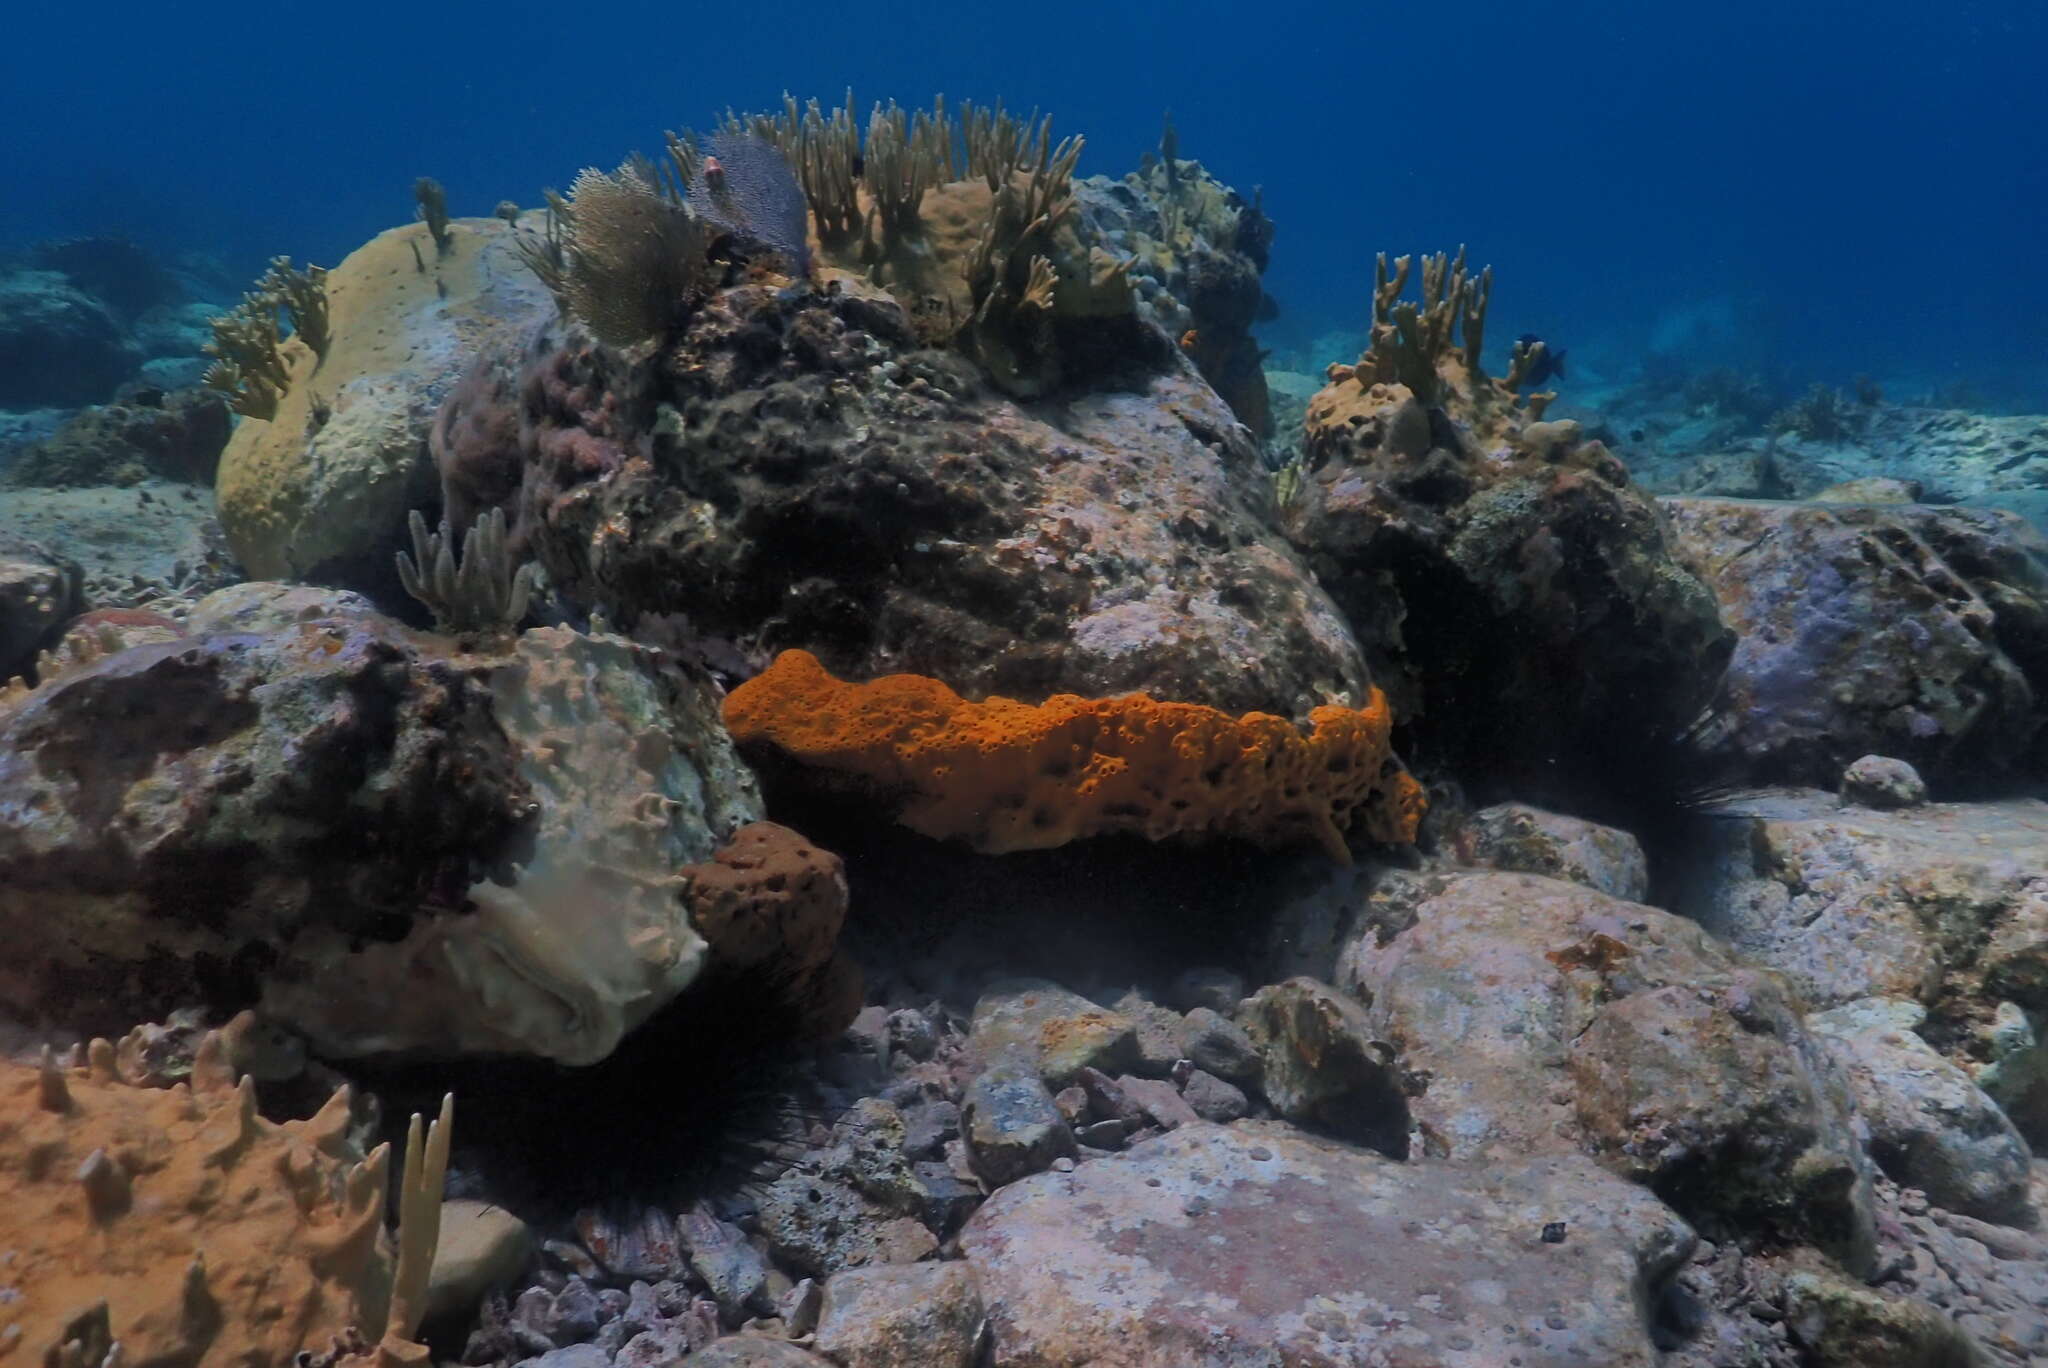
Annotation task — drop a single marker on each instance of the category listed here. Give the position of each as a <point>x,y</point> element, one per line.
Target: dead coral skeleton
<point>481,592</point>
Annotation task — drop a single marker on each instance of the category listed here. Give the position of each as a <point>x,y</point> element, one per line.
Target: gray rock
<point>1011,1125</point>
<point>912,1033</point>
<point>1056,1032</point>
<point>1528,840</point>
<point>818,1225</point>
<point>1931,1127</point>
<point>1544,1017</point>
<point>925,1315</point>
<point>1875,781</point>
<point>1843,1324</point>
<point>574,1356</point>
<point>1212,1098</point>
<point>1322,1066</point>
<point>798,1309</point>
<point>1161,1034</point>
<point>482,1247</point>
<point>1159,1100</point>
<point>59,346</point>
<point>755,1351</point>
<point>39,593</point>
<point>1254,1244</point>
<point>1220,1046</point>
<point>575,1314</point>
<point>1897,630</point>
<point>733,1270</point>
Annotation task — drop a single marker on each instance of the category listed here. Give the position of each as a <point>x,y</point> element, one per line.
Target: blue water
<point>1824,188</point>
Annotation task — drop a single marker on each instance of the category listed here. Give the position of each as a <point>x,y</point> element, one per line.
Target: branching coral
<point>480,593</point>
<point>1004,775</point>
<point>249,365</point>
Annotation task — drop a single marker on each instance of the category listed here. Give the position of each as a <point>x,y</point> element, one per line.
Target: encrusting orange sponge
<point>1004,775</point>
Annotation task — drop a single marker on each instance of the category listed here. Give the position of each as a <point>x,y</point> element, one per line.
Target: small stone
<point>912,1033</point>
<point>1072,1102</point>
<point>573,1258</point>
<point>1159,1100</point>
<point>922,1316</point>
<point>575,1314</point>
<point>482,1246</point>
<point>1220,1046</point>
<point>1057,1032</point>
<point>1161,1034</point>
<point>1213,1099</point>
<point>1877,781</point>
<point>1012,1126</point>
<point>1103,1135</point>
<point>927,1126</point>
<point>798,1308</point>
<point>733,1270</point>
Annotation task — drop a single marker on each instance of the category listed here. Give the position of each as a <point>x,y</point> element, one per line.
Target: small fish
<point>1549,366</point>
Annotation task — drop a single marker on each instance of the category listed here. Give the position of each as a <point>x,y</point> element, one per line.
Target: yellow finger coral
<point>178,1221</point>
<point>1004,775</point>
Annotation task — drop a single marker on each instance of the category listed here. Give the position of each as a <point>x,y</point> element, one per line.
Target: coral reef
<point>174,435</point>
<point>1518,597</point>
<point>178,1222</point>
<point>1003,775</point>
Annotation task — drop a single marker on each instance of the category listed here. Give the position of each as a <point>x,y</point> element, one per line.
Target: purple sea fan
<point>744,186</point>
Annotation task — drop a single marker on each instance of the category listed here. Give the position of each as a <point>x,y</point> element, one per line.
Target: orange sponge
<point>1004,775</point>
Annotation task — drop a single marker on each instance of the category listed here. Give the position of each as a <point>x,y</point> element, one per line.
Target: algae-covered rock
<point>320,492</point>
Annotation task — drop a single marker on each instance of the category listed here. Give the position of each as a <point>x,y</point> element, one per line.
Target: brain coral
<point>179,1223</point>
<point>1004,775</point>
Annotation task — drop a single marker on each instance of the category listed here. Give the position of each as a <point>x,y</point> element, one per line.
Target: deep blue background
<point>1843,187</point>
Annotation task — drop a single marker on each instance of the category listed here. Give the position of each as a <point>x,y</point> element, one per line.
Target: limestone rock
<point>482,1247</point>
<point>321,491</point>
<point>1528,840</point>
<point>1844,1325</point>
<point>1251,1244</point>
<point>1901,630</point>
<point>924,1315</point>
<point>1544,1017</point>
<point>344,806</point>
<point>1050,1029</point>
<point>1931,1127</point>
<point>845,491</point>
<point>1322,1064</point>
<point>1876,781</point>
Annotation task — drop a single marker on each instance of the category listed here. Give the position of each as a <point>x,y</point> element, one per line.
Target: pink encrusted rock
<point>1255,1244</point>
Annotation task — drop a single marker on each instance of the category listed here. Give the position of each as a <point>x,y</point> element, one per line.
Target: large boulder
<point>1254,1244</point>
<point>1945,905</point>
<point>1896,629</point>
<point>797,470</point>
<point>320,492</point>
<point>1544,1017</point>
<point>393,841</point>
<point>1518,597</point>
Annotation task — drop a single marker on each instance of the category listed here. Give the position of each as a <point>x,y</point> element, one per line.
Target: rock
<point>482,1247</point>
<point>1220,1045</point>
<point>1161,1034</point>
<point>378,808</point>
<point>1528,840</point>
<point>919,1316</point>
<point>913,1033</point>
<point>176,435</point>
<point>59,347</point>
<point>754,1351</point>
<point>1322,1066</point>
<point>1931,1127</point>
<point>1943,904</point>
<point>39,593</point>
<point>1012,1127</point>
<point>1878,782</point>
<point>1544,1017</point>
<point>641,1246</point>
<point>321,491</point>
<point>734,1272</point>
<point>1096,543</point>
<point>1870,489</point>
<point>1213,1099</point>
<point>1907,631</point>
<point>574,1356</point>
<point>1517,596</point>
<point>1158,1100</point>
<point>1843,1325</point>
<point>818,1225</point>
<point>798,1309</point>
<point>1054,1031</point>
<point>1254,1243</point>
<point>1219,990</point>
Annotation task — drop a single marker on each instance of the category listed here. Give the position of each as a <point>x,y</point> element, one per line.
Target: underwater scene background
<point>928,688</point>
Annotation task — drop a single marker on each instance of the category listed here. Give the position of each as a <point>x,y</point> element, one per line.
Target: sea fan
<point>744,186</point>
